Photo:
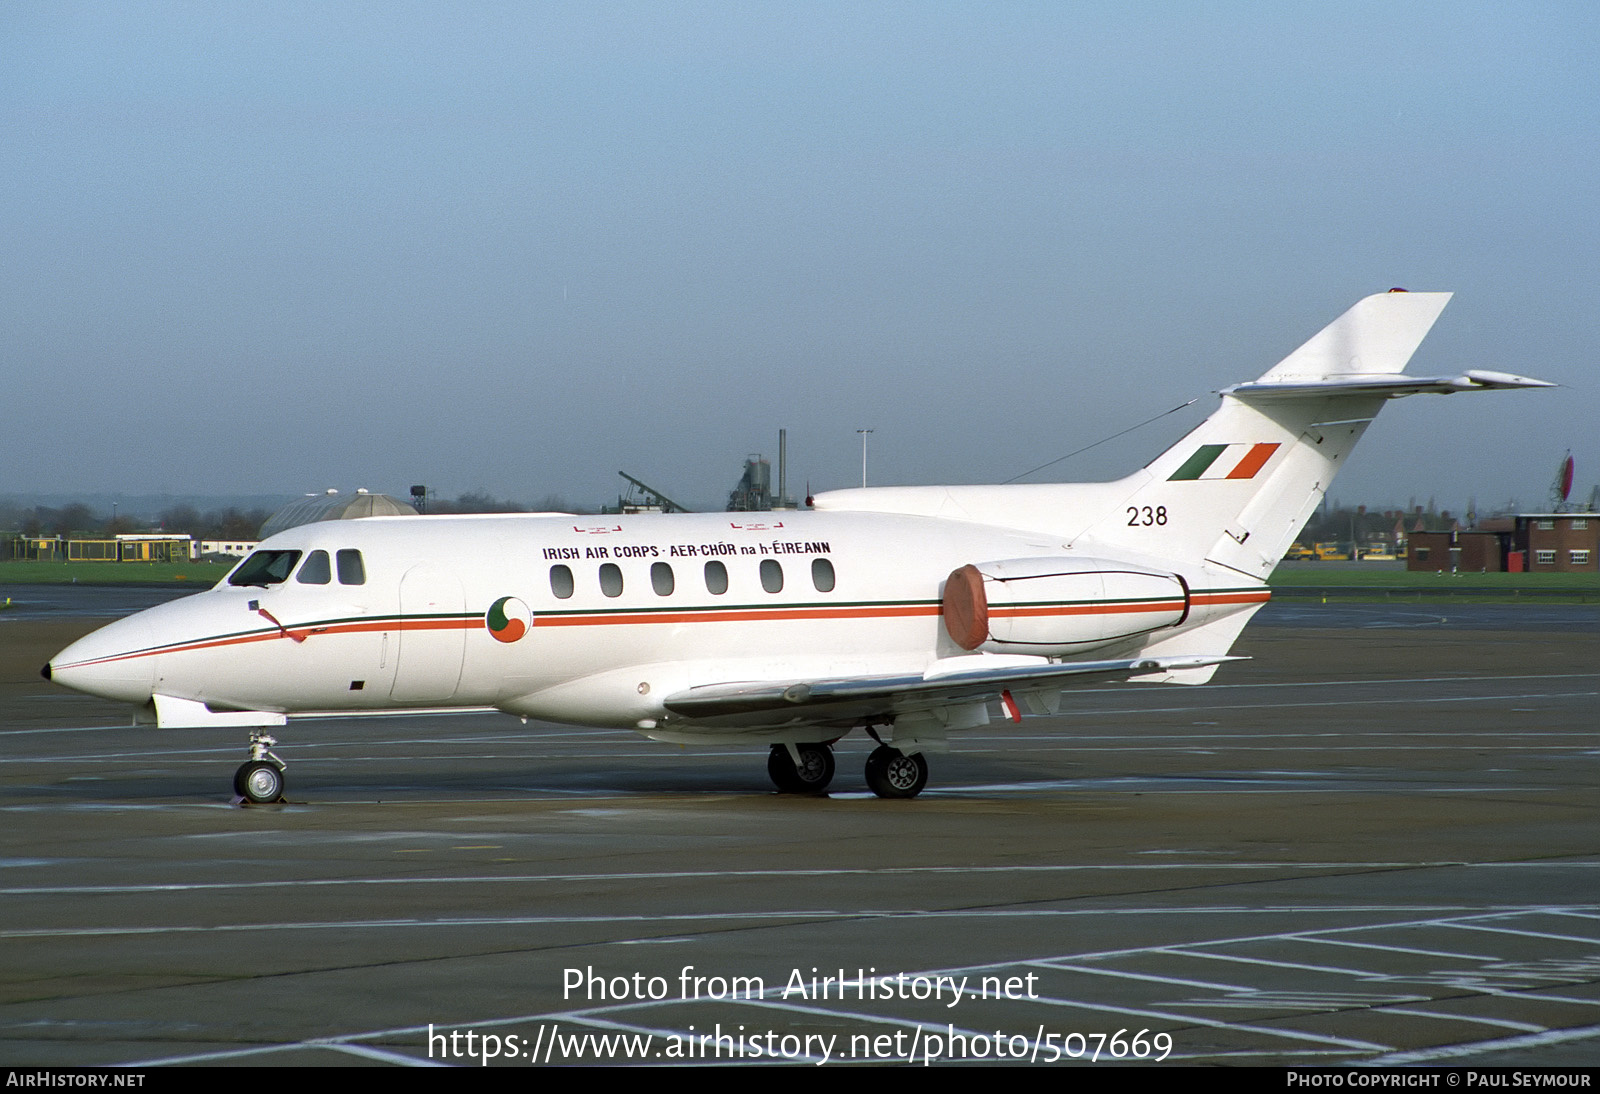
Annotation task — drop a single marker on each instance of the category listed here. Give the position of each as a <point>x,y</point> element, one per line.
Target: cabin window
<point>716,578</point>
<point>661,579</point>
<point>264,568</point>
<point>316,571</point>
<point>561,582</point>
<point>822,575</point>
<point>611,579</point>
<point>771,575</point>
<point>351,569</point>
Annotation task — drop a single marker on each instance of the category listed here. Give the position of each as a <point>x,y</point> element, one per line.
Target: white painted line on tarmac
<point>1456,1052</point>
<point>368,1052</point>
<point>1583,940</point>
<point>1503,1023</point>
<point>1448,955</point>
<point>1328,704</point>
<point>1104,1008</point>
<point>212,1057</point>
<point>656,876</point>
<point>441,922</point>
<point>1185,951</point>
<point>1122,974</point>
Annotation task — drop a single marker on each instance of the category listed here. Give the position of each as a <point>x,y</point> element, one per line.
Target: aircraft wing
<point>843,702</point>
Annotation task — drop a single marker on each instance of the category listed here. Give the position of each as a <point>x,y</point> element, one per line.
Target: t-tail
<point>1237,490</point>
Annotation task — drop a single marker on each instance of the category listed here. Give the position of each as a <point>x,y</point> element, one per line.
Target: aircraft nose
<point>114,662</point>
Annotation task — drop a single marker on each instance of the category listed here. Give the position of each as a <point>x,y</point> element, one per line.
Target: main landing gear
<point>810,776</point>
<point>890,772</point>
<point>893,774</point>
<point>260,780</point>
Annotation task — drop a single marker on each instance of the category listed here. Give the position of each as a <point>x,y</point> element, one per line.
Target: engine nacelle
<point>1058,605</point>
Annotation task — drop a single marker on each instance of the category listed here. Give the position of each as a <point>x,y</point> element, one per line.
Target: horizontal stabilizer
<point>1392,387</point>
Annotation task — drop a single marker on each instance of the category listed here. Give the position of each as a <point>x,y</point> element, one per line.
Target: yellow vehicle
<point>1300,553</point>
<point>1331,552</point>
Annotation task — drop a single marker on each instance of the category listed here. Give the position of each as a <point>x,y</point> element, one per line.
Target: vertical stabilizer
<point>1374,338</point>
<point>1238,489</point>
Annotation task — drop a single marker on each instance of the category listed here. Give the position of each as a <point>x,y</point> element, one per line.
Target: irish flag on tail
<point>1225,461</point>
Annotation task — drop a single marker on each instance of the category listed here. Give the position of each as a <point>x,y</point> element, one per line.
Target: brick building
<point>1558,543</point>
<point>1538,543</point>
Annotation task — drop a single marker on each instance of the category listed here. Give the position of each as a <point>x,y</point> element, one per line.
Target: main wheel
<point>893,774</point>
<point>259,781</point>
<point>811,776</point>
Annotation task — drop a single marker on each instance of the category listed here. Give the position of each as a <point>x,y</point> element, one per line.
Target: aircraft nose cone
<point>114,662</point>
<point>45,672</point>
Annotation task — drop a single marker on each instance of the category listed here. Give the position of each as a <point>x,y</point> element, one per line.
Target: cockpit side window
<point>316,570</point>
<point>265,568</point>
<point>351,569</point>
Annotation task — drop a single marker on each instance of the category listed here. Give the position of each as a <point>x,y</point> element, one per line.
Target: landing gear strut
<point>261,779</point>
<point>810,776</point>
<point>893,774</point>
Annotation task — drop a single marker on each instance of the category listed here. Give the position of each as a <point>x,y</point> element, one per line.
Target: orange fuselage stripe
<point>901,611</point>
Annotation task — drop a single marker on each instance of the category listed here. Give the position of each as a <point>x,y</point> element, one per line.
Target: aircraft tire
<point>259,782</point>
<point>893,774</point>
<point>813,774</point>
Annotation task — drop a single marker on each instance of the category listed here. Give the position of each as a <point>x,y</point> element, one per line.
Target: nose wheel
<point>260,779</point>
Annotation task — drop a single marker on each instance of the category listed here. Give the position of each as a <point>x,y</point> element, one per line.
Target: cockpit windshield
<point>265,568</point>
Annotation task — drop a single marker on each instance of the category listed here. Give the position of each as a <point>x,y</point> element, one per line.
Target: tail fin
<point>1375,338</point>
<point>1238,488</point>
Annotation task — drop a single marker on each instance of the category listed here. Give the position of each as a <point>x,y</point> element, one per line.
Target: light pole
<point>863,433</point>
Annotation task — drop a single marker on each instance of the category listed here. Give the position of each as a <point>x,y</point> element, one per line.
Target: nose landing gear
<point>260,780</point>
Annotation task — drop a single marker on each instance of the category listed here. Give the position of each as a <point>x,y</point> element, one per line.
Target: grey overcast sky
<point>275,247</point>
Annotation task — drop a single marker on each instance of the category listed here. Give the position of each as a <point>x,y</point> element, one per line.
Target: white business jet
<point>908,612</point>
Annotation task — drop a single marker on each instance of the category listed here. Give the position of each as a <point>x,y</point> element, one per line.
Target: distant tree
<point>183,519</point>
<point>76,517</point>
<point>233,523</point>
<point>477,501</point>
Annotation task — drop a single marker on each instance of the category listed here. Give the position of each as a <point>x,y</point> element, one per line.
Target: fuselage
<point>589,620</point>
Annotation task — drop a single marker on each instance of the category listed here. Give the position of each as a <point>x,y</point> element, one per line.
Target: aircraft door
<point>432,635</point>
